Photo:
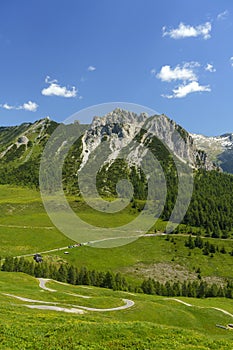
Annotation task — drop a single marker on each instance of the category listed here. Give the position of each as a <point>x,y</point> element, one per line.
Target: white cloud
<point>27,106</point>
<point>210,68</point>
<point>91,69</point>
<point>231,61</point>
<point>223,15</point>
<point>185,72</point>
<point>30,106</point>
<point>185,89</point>
<point>49,81</point>
<point>54,89</point>
<point>187,31</point>
<point>6,106</point>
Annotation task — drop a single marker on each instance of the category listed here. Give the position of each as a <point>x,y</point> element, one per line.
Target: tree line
<point>206,247</point>
<point>194,289</point>
<point>115,281</point>
<point>66,273</point>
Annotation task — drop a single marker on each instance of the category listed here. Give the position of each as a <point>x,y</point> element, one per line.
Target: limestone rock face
<point>120,128</point>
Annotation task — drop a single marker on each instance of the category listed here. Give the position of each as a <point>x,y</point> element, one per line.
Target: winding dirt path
<point>42,284</point>
<point>84,243</point>
<point>29,227</point>
<point>201,307</point>
<point>56,306</point>
<point>128,303</point>
<point>182,302</point>
<point>222,310</point>
<point>27,299</point>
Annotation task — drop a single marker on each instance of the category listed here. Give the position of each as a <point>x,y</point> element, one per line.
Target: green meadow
<point>152,323</point>
<point>146,256</point>
<point>25,228</point>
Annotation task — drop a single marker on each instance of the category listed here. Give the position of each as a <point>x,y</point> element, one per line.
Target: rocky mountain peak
<point>119,116</point>
<point>125,131</point>
<point>120,127</point>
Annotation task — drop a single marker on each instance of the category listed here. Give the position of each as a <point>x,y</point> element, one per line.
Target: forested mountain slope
<point>129,134</point>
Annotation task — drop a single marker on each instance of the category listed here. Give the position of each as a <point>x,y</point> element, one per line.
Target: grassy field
<point>152,323</point>
<point>26,228</point>
<point>153,255</point>
<point>24,225</point>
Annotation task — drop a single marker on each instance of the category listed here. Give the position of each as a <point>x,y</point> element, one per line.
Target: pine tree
<point>86,277</point>
<point>118,281</point>
<point>108,280</point>
<point>71,277</point>
<point>52,271</point>
<point>223,250</point>
<point>62,274</point>
<point>190,243</point>
<point>198,242</point>
<point>93,278</point>
<point>213,291</point>
<point>21,263</point>
<point>202,290</point>
<point>8,264</point>
<point>212,248</point>
<point>184,289</point>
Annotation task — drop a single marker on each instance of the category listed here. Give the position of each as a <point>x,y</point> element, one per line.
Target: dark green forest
<point>82,276</point>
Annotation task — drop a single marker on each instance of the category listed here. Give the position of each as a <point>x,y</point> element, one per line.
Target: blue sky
<point>58,57</point>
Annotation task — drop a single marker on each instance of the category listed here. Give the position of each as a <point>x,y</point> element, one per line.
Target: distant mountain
<point>219,149</point>
<point>129,138</point>
<point>21,147</point>
<point>20,151</point>
<point>120,127</point>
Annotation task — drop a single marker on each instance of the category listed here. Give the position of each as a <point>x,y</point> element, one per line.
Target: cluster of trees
<point>224,234</point>
<point>195,289</point>
<point>66,273</point>
<point>206,246</point>
<point>26,174</point>
<point>70,274</point>
<point>211,207</point>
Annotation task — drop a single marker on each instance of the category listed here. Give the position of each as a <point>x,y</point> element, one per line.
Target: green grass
<point>19,241</point>
<point>152,323</point>
<point>24,225</point>
<point>26,228</point>
<point>146,252</point>
<point>13,194</point>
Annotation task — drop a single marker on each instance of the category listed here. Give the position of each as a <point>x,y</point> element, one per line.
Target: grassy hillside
<point>153,255</point>
<point>24,225</point>
<point>153,322</point>
<point>25,228</point>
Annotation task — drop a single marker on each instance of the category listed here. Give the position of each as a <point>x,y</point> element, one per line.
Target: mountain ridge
<point>219,149</point>
<point>24,144</point>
